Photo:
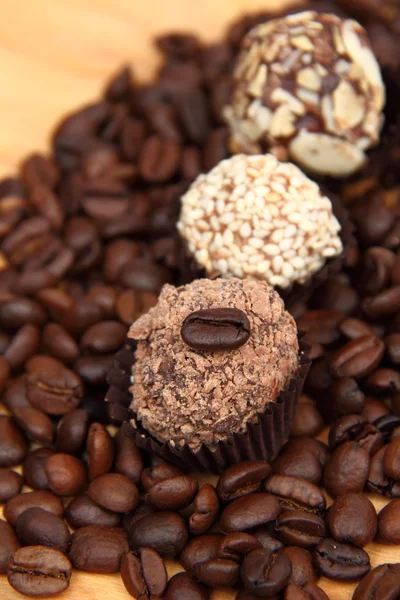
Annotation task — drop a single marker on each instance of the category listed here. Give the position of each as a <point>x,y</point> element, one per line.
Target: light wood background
<point>56,55</point>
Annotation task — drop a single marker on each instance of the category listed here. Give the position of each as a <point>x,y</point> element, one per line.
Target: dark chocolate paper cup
<point>262,440</point>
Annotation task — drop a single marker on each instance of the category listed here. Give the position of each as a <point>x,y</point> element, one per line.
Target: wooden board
<point>56,55</point>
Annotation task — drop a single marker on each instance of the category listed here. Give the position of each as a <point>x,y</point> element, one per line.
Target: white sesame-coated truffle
<point>308,88</point>
<point>255,217</point>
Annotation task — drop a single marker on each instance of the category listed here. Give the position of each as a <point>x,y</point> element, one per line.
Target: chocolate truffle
<point>253,216</point>
<point>308,88</point>
<point>185,396</point>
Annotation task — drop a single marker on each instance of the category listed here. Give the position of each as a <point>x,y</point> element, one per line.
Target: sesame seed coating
<point>257,218</point>
<point>308,88</point>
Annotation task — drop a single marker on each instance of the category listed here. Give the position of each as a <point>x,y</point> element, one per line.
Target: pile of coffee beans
<point>87,239</point>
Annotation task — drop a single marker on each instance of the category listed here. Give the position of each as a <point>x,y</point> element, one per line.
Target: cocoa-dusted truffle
<point>253,216</point>
<point>187,396</point>
<point>309,89</point>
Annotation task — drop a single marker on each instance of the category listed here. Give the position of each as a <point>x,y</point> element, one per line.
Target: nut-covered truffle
<point>253,216</point>
<point>309,88</point>
<point>188,396</point>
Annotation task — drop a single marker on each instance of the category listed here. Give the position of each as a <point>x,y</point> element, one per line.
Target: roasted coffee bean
<point>38,527</point>
<point>354,328</point>
<point>391,460</point>
<point>374,409</point>
<point>59,343</point>
<point>302,464</point>
<point>249,511</point>
<point>319,378</point>
<point>241,479</point>
<point>383,382</point>
<point>347,469</point>
<point>158,471</point>
<point>144,575</point>
<point>36,425</point>
<point>159,159</point>
<point>129,458</point>
<point>382,583</point>
<point>100,451</point>
<point>267,541</point>
<point>19,312</point>
<point>382,305</point>
<point>321,326</point>
<point>72,431</point>
<point>392,343</point>
<point>82,511</point>
<point>56,301</point>
<point>358,358</point>
<point>294,492</point>
<point>337,296</point>
<point>104,296</point>
<point>39,571</point>
<point>389,523</point>
<point>236,545</point>
<point>341,561</point>
<point>114,492</point>
<point>15,394</point>
<point>51,387</point>
<point>376,270</point>
<point>300,528</point>
<point>173,494</point>
<point>309,592</point>
<point>93,369</point>
<point>4,372</point>
<point>184,585</point>
<point>13,446</point>
<point>200,549</point>
<point>355,427</point>
<point>23,345</point>
<point>246,595</point>
<point>303,571</point>
<point>98,549</point>
<point>386,425</point>
<point>307,420</point>
<point>218,572</point>
<point>165,532</point>
<point>8,545</point>
<point>65,473</point>
<point>33,468</point>
<point>345,397</point>
<point>377,481</point>
<point>206,509</point>
<point>104,338</point>
<point>264,573</point>
<point>144,276</point>
<point>352,519</point>
<point>10,485</point>
<point>216,329</point>
<point>306,444</point>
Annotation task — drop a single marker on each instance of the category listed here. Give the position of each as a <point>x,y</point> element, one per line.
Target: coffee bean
<point>373,409</point>
<point>59,343</point>
<point>249,511</point>
<point>345,398</point>
<point>184,585</point>
<point>382,583</point>
<point>294,492</point>
<point>246,595</point>
<point>267,541</point>
<point>129,458</point>
<point>321,326</point>
<point>306,444</point>
<point>36,425</point>
<point>100,451</point>
<point>376,270</point>
<point>389,523</point>
<point>33,468</point>
<point>354,328</point>
<point>309,592</point>
<point>392,343</point>
<point>71,432</point>
<point>347,469</point>
<point>173,493</point>
<point>216,329</point>
<point>358,358</point>
<point>10,485</point>
<point>218,572</point>
<point>352,519</point>
<point>22,346</point>
<point>15,394</point>
<point>300,528</point>
<point>303,571</point>
<point>391,461</point>
<point>307,420</point>
<point>200,549</point>
<point>114,492</point>
<point>382,305</point>
<point>377,481</point>
<point>206,509</point>
<point>82,511</point>
<point>302,464</point>
<point>144,575</point>
<point>13,446</point>
<point>39,571</point>
<point>98,549</point>
<point>355,427</point>
<point>42,499</point>
<point>4,372</point>
<point>241,479</point>
<point>104,337</point>
<point>264,573</point>
<point>93,369</point>
<point>386,425</point>
<point>19,312</point>
<point>341,561</point>
<point>165,532</point>
<point>51,387</point>
<point>144,276</point>
<point>66,474</point>
<point>236,545</point>
<point>38,527</point>
<point>8,545</point>
<point>158,471</point>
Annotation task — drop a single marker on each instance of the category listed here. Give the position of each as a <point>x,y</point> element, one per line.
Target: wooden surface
<point>56,55</point>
